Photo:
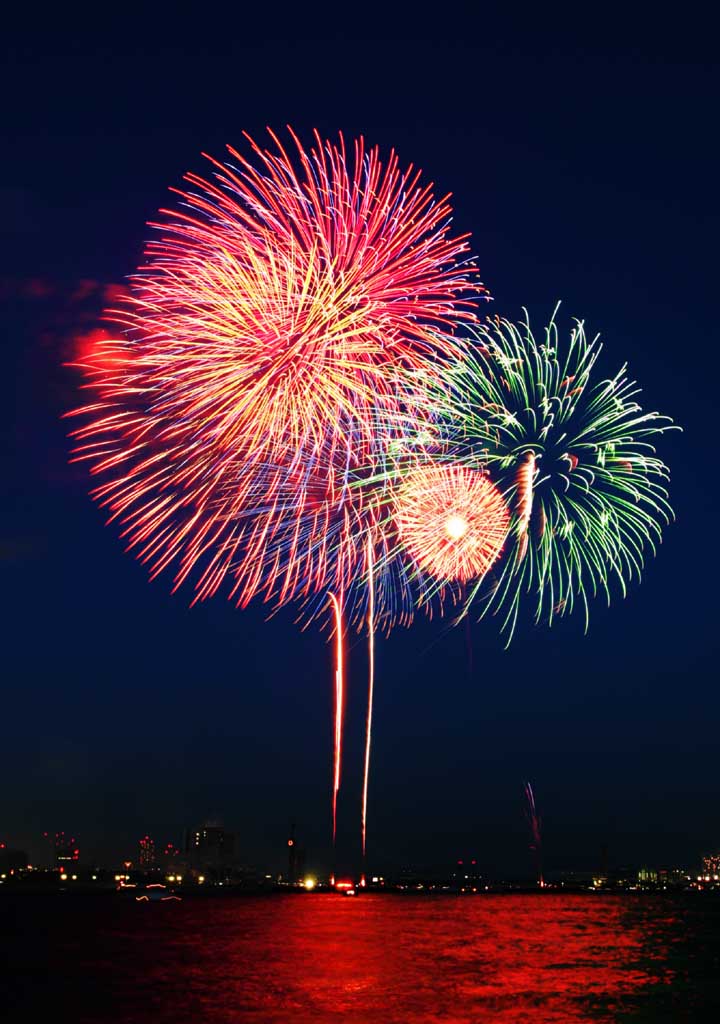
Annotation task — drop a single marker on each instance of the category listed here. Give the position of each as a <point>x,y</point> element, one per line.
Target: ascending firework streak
<point>339,707</point>
<point>533,820</point>
<point>371,690</point>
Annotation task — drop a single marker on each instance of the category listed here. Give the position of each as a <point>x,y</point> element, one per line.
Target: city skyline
<point>211,855</point>
<point>153,847</point>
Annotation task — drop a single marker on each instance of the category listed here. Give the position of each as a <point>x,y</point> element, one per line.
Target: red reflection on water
<point>553,959</point>
<point>490,959</point>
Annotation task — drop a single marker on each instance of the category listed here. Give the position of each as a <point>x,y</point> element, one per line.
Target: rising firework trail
<point>339,707</point>
<point>371,691</point>
<point>533,820</point>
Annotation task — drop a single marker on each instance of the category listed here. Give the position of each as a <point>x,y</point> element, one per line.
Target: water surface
<point>322,958</point>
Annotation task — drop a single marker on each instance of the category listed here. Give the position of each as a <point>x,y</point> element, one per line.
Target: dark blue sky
<point>583,159</point>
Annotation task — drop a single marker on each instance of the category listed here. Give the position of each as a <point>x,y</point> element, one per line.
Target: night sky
<point>583,159</point>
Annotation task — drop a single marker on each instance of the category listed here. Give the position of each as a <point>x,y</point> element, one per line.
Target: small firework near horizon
<point>535,824</point>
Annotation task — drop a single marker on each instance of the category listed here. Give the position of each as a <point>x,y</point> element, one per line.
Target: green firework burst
<point>574,454</point>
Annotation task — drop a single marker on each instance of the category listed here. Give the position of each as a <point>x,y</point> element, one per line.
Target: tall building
<point>209,846</point>
<point>292,855</point>
<point>146,852</point>
<point>296,857</point>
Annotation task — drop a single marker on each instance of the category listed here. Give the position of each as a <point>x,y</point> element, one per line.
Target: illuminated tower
<point>292,856</point>
<point>210,848</point>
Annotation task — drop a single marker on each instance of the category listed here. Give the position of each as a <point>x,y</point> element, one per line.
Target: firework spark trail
<point>533,820</point>
<point>371,689</point>
<point>339,707</point>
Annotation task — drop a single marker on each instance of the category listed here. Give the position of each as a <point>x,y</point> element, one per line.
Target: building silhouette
<point>296,858</point>
<point>210,848</point>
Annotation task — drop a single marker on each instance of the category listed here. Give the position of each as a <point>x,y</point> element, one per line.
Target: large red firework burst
<point>452,520</point>
<point>267,336</point>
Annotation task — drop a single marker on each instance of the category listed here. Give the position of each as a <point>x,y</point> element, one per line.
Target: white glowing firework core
<point>456,527</point>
